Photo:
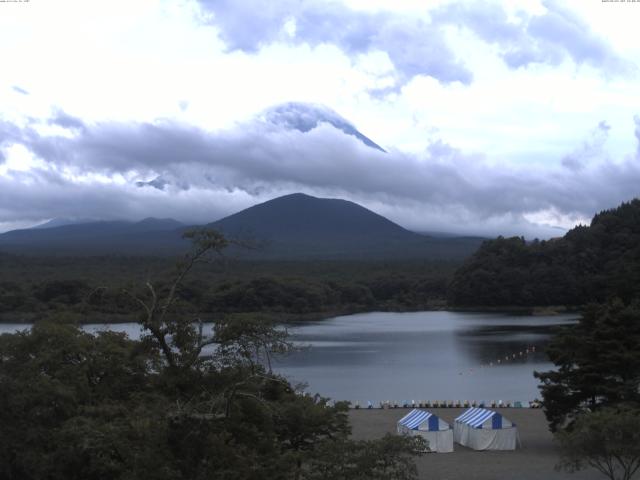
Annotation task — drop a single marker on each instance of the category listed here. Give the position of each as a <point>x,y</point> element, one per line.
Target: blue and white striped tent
<point>429,426</point>
<point>483,429</point>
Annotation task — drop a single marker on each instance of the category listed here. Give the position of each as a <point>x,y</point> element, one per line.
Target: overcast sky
<point>514,117</point>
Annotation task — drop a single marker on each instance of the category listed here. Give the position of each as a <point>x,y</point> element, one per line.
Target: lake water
<point>423,356</point>
<point>413,356</point>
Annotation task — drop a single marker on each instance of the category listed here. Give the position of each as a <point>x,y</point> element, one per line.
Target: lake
<point>418,356</point>
<point>434,355</point>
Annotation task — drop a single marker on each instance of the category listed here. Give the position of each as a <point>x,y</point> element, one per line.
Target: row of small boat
<point>449,404</point>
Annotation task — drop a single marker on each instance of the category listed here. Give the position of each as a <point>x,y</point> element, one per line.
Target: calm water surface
<point>423,356</point>
<point>413,356</point>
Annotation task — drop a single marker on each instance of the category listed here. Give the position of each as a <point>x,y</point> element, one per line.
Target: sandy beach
<point>534,461</point>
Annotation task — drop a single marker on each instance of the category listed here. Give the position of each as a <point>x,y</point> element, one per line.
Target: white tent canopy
<point>483,429</point>
<point>427,425</point>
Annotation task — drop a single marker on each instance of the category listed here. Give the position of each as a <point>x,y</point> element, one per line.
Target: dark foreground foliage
<point>597,364</point>
<point>180,403</point>
<point>589,264</point>
<point>607,440</point>
<point>592,397</point>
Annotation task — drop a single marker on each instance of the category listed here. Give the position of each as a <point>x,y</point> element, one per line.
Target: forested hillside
<point>589,264</point>
<point>32,286</point>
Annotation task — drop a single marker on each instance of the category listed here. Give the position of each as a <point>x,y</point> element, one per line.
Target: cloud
<point>416,44</point>
<point>591,148</point>
<point>636,120</point>
<point>30,197</point>
<point>546,38</point>
<point>19,90</point>
<point>158,183</point>
<point>206,175</point>
<point>64,120</point>
<point>563,29</point>
<point>304,117</point>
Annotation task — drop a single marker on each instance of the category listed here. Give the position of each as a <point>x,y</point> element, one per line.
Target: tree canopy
<point>180,403</point>
<point>607,440</point>
<point>589,264</point>
<point>597,363</point>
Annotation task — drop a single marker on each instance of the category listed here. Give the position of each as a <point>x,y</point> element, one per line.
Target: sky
<point>517,117</point>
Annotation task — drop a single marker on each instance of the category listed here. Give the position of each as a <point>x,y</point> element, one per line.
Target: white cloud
<point>208,174</point>
<point>144,77</point>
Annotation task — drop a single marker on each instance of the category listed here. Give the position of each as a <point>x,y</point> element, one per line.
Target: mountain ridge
<point>295,226</point>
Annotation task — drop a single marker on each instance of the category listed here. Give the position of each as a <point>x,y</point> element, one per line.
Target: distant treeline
<point>589,264</point>
<point>98,286</point>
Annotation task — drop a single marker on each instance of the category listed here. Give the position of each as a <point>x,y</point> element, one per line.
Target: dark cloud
<point>158,183</point>
<point>206,175</point>
<point>417,45</point>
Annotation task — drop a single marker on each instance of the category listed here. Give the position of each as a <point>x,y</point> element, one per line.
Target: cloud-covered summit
<point>497,116</point>
<point>307,116</point>
<point>92,170</point>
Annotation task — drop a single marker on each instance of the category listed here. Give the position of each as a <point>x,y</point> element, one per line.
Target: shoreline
<point>294,318</point>
<point>534,404</point>
<point>534,460</point>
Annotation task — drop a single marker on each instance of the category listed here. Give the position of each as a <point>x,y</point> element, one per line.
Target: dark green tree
<point>390,458</point>
<point>598,363</point>
<point>607,440</point>
<point>589,264</point>
<point>181,403</point>
<point>75,405</point>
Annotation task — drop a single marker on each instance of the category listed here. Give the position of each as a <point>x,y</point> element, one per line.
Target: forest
<point>589,264</point>
<point>82,406</point>
<point>95,286</point>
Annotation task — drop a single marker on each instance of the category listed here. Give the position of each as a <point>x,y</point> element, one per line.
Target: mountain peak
<point>307,116</point>
<point>300,226</point>
<point>299,215</point>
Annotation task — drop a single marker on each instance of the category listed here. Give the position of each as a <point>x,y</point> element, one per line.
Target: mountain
<point>299,116</point>
<point>292,227</point>
<point>152,224</point>
<point>300,216</point>
<point>589,264</point>
<point>61,222</point>
<point>307,116</point>
<point>148,236</point>
<point>302,226</point>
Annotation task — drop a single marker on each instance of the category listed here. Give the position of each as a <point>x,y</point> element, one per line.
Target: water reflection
<point>422,356</point>
<point>412,356</point>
